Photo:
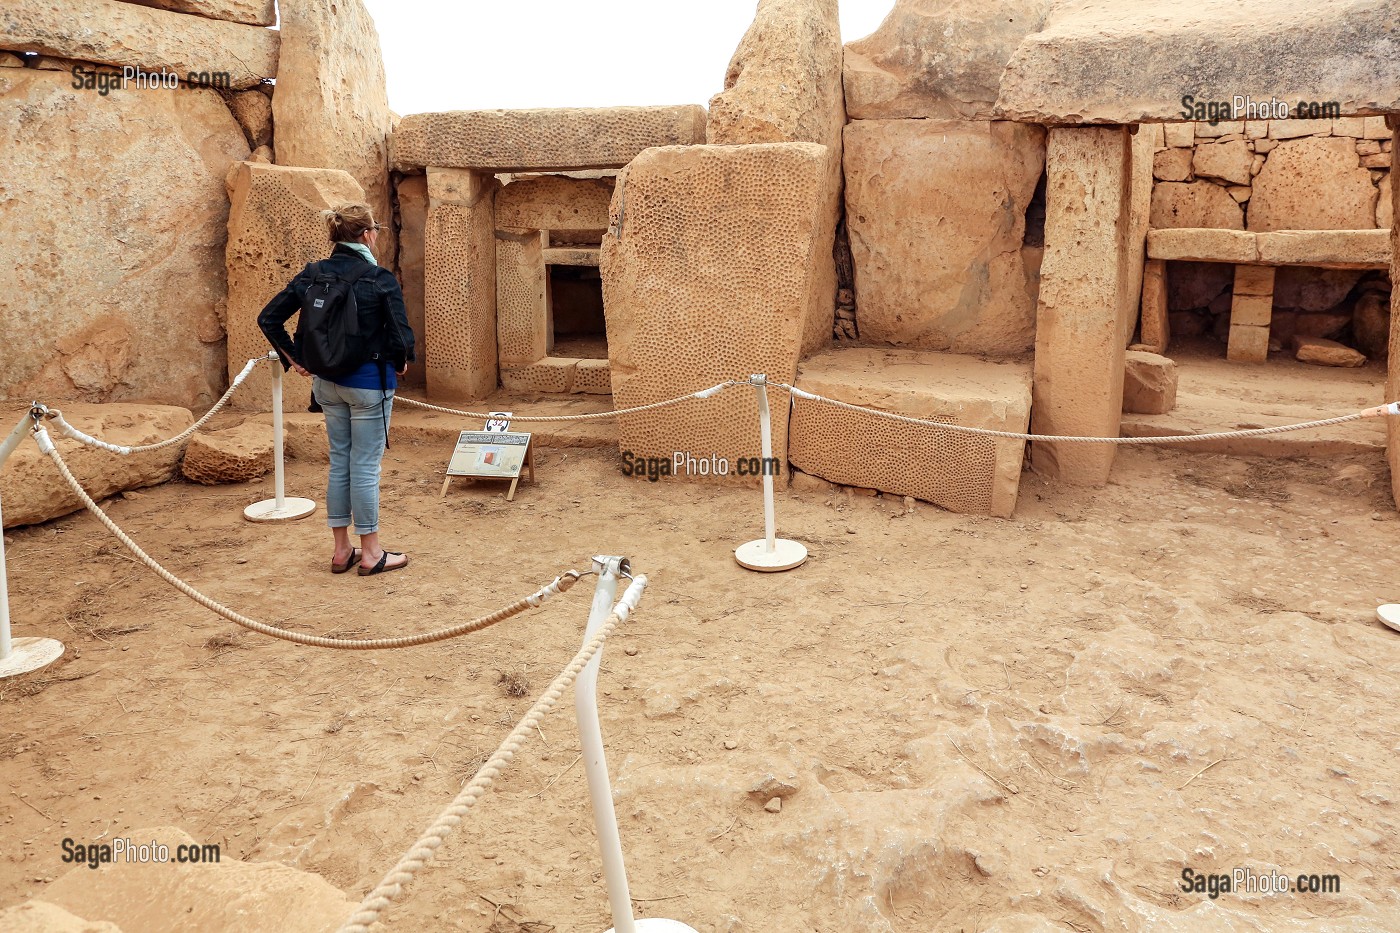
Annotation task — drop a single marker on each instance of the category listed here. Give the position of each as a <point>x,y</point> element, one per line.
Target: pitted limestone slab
<point>274,229</point>
<point>960,472</point>
<point>551,138</point>
<point>709,276</point>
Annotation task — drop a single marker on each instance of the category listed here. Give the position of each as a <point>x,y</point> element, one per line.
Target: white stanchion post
<point>19,655</point>
<point>595,765</point>
<point>279,508</point>
<point>769,553</point>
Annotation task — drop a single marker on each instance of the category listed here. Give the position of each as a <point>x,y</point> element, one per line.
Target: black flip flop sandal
<point>354,559</point>
<point>382,566</point>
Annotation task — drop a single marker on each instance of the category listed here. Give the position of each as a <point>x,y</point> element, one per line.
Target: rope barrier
<point>591,416</point>
<point>1391,408</point>
<point>422,851</point>
<point>560,584</point>
<point>68,430</point>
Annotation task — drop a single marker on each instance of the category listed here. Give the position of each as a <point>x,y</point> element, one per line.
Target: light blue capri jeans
<point>355,426</point>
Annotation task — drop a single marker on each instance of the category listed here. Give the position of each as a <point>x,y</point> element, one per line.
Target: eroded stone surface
<point>252,12</point>
<point>959,472</point>
<point>525,140</point>
<point>711,275</point>
<point>1326,352</point>
<point>1286,191</point>
<point>1195,204</point>
<point>253,111</point>
<point>33,491</point>
<point>965,186</point>
<point>1088,63</point>
<point>937,59</point>
<point>110,32</point>
<point>34,916</point>
<point>274,229</point>
<point>1149,383</point>
<point>120,295</point>
<point>232,455</point>
<point>412,192</point>
<point>331,106</point>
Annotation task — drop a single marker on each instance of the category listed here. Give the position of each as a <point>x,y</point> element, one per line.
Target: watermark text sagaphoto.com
<point>96,854</point>
<point>104,81</point>
<point>684,463</point>
<point>1245,107</point>
<point>1247,881</point>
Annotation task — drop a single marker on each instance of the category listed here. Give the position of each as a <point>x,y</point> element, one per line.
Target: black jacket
<point>377,296</point>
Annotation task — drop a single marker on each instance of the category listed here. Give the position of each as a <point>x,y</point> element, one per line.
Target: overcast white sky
<point>481,54</point>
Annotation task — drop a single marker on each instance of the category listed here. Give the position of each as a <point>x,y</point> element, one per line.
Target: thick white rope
<point>591,416</point>
<point>560,584</point>
<point>422,851</point>
<point>68,430</point>
<point>1391,408</point>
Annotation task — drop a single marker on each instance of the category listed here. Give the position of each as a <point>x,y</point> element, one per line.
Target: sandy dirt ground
<point>982,725</point>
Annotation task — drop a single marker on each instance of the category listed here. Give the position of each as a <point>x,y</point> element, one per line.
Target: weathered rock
<point>10,60</point>
<point>1228,161</point>
<point>938,59</point>
<point>964,185</point>
<point>1371,324</point>
<point>1385,210</point>
<point>262,155</point>
<point>221,897</point>
<point>1195,204</point>
<point>33,491</point>
<point>784,81</point>
<point>771,785</point>
<point>110,32</point>
<point>1172,165</point>
<point>1202,245</point>
<point>959,472</point>
<point>1129,62</point>
<point>1080,326</point>
<point>714,240</point>
<point>35,916</point>
<point>1156,321</point>
<point>1193,285</point>
<point>459,285</point>
<point>331,107</point>
<point>544,139</point>
<point>1296,128</point>
<point>783,85</point>
<point>1313,184</point>
<point>274,229</point>
<point>123,298</point>
<point>1182,135</point>
<point>252,12</point>
<point>1309,289</point>
<point>233,455</point>
<point>412,192</point>
<point>1326,352</point>
<point>253,111</point>
<point>1149,383</point>
<point>1337,249</point>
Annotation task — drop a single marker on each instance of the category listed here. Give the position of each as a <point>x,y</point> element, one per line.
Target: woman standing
<point>357,403</point>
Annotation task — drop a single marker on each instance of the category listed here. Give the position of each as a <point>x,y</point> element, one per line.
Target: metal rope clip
<point>758,379</point>
<point>38,411</point>
<point>618,566</point>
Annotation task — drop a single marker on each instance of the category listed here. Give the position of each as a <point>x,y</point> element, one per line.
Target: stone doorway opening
<point>574,295</point>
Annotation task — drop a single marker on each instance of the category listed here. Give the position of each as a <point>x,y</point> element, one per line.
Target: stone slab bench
<point>959,472</point>
<point>1255,256</point>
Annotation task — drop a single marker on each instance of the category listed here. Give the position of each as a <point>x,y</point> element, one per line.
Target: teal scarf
<point>362,249</point>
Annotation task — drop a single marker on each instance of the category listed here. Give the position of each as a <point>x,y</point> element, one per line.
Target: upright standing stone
<point>784,86</point>
<point>1079,351</point>
<point>1392,382</point>
<point>708,269</point>
<point>459,285</point>
<point>275,228</point>
<point>413,220</point>
<point>1156,326</point>
<point>331,108</point>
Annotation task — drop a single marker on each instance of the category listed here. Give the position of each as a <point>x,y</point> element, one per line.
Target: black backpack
<point>328,330</point>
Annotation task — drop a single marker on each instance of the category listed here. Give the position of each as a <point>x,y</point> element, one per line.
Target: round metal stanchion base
<point>1389,614</point>
<point>292,509</point>
<point>785,555</point>
<point>657,925</point>
<point>30,654</point>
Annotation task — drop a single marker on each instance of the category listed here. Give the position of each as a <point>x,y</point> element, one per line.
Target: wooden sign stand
<point>488,462</point>
<point>528,468</point>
